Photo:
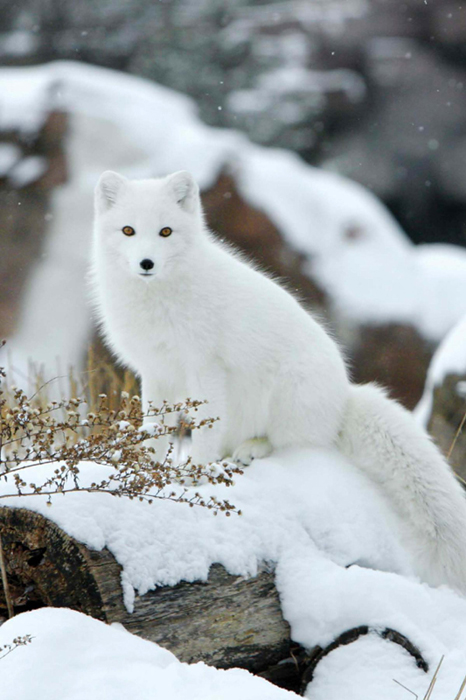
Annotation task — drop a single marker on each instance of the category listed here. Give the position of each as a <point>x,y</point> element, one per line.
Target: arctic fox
<point>192,318</point>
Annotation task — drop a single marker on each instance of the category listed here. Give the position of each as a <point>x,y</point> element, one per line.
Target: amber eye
<point>128,230</point>
<point>165,232</point>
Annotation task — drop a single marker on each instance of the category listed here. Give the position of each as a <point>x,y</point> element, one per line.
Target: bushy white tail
<point>382,438</point>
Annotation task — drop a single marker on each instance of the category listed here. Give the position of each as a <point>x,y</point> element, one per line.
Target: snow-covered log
<point>227,621</point>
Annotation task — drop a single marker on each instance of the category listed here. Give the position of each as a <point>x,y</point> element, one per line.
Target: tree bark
<point>227,621</point>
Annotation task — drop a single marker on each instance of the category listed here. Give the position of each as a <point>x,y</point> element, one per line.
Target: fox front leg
<point>207,441</point>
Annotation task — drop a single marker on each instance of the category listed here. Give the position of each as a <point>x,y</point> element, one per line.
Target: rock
<point>25,188</point>
<point>446,422</point>
<point>394,355</point>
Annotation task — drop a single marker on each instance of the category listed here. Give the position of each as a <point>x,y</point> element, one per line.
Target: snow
<point>26,99</point>
<point>331,13</point>
<point>9,155</point>
<point>73,656</point>
<point>291,89</point>
<point>354,248</point>
<point>18,43</point>
<point>335,544</point>
<point>301,80</point>
<point>442,268</point>
<point>285,500</point>
<point>371,668</point>
<point>27,170</point>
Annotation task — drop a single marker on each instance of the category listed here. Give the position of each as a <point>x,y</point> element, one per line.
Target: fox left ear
<point>185,190</point>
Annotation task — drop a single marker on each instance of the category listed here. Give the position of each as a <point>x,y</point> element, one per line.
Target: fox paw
<point>256,448</point>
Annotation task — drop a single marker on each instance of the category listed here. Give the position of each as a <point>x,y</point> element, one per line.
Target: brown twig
<point>6,588</point>
<point>457,434</point>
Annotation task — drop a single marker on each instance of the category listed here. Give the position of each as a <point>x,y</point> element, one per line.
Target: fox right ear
<point>108,189</point>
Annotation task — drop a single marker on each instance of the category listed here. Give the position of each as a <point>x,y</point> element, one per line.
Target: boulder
<point>31,165</point>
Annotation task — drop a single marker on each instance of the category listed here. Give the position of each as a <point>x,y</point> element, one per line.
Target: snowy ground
<point>335,544</point>
<point>355,249</point>
<point>74,657</point>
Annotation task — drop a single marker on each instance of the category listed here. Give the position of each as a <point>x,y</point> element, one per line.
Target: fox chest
<point>143,332</point>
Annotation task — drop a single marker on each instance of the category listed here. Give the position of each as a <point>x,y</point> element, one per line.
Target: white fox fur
<point>195,320</point>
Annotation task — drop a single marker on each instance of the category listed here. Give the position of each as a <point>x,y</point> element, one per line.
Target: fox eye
<point>128,230</point>
<point>165,232</point>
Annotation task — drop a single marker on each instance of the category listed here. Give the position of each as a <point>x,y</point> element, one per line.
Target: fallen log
<point>227,621</point>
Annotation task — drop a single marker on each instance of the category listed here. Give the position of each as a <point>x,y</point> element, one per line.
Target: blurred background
<point>328,136</point>
<point>375,89</point>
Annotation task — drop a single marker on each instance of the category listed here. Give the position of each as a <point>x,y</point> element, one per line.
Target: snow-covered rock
<point>442,407</point>
<point>449,358</point>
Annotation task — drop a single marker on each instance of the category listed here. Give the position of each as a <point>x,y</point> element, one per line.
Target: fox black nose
<point>146,264</point>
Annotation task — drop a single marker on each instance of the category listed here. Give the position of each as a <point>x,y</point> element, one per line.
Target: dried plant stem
<point>112,492</point>
<point>463,685</point>
<point>17,642</point>
<point>457,434</point>
<point>431,687</point>
<point>6,588</point>
<point>64,434</point>
<point>403,686</point>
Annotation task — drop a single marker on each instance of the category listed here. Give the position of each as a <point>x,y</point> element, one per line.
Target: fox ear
<point>108,189</point>
<point>185,190</point>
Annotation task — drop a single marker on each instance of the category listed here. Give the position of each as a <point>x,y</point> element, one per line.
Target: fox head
<point>146,227</point>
